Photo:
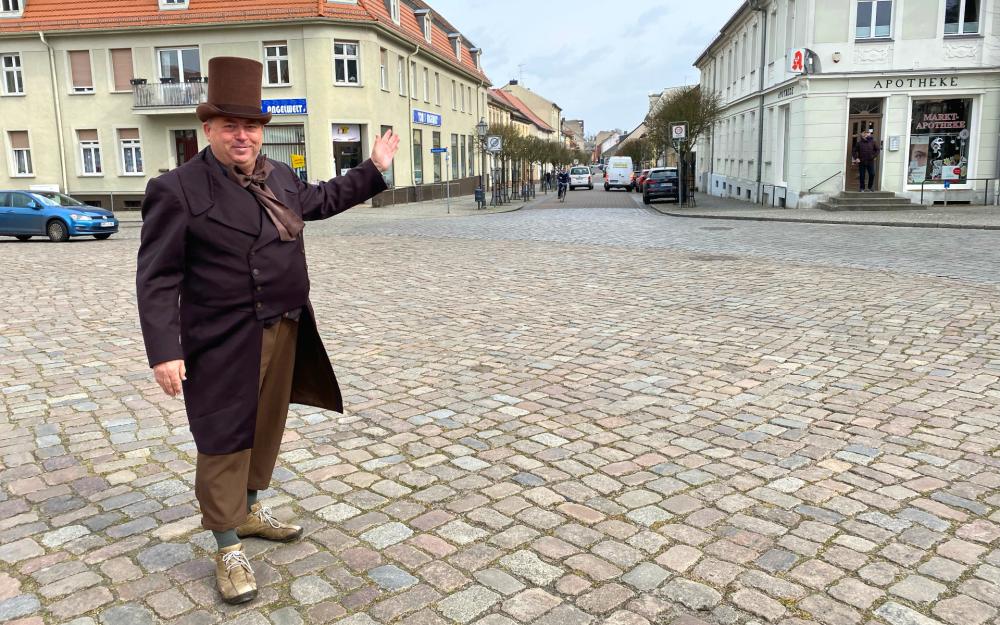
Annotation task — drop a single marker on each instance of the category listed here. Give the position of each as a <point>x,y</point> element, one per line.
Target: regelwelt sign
<point>285,107</point>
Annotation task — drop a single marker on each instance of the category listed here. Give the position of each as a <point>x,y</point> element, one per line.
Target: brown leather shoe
<point>261,524</point>
<point>234,576</point>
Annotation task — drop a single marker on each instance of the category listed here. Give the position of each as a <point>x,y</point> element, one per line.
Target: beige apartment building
<point>97,98</point>
<point>547,111</point>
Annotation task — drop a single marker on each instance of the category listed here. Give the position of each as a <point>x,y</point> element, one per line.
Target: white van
<point>618,173</point>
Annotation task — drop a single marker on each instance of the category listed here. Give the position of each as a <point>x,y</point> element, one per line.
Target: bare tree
<point>699,109</point>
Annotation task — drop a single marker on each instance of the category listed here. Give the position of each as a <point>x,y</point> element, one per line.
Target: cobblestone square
<point>554,416</point>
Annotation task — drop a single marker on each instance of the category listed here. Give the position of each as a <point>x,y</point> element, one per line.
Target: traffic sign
<point>494,143</point>
<point>438,150</point>
<point>678,131</point>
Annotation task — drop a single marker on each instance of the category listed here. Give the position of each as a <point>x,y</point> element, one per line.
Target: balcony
<point>168,97</point>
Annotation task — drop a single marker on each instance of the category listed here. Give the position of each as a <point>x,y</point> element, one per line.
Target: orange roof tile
<point>516,102</point>
<point>60,15</point>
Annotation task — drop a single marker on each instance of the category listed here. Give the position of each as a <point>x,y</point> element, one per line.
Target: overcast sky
<point>597,59</point>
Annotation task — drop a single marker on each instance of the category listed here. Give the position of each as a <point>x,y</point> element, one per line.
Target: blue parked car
<point>24,214</point>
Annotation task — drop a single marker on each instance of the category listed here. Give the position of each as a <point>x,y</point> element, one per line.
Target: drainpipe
<point>409,111</point>
<point>762,8</point>
<point>58,111</point>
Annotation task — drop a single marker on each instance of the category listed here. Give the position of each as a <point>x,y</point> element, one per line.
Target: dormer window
<point>477,55</point>
<point>456,42</point>
<point>173,4</point>
<point>12,8</point>
<point>425,22</point>
<point>394,10</point>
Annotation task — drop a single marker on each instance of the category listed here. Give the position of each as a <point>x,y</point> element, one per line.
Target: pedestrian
<point>548,179</point>
<point>866,151</point>
<point>223,297</point>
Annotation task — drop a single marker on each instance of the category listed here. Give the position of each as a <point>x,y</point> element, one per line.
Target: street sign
<point>298,161</point>
<point>678,131</point>
<point>494,143</point>
<point>438,150</point>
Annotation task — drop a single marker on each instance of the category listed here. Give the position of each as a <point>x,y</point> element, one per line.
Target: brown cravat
<point>288,223</point>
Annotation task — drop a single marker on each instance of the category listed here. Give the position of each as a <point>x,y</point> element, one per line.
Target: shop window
<point>874,19</point>
<point>961,17</point>
<point>418,157</point>
<point>436,143</point>
<point>454,157</point>
<point>940,133</point>
<point>345,62</point>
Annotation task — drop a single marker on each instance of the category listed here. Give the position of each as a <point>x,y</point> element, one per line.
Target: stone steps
<point>876,201</point>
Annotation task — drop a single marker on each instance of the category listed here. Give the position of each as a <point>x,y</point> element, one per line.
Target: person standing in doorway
<point>866,152</point>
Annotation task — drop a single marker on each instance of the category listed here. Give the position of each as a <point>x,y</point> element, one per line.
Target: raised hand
<point>384,150</point>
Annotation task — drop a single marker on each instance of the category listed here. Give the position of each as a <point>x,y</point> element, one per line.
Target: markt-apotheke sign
<point>916,83</point>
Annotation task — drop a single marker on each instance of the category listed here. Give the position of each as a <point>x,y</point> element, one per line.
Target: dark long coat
<point>212,269</point>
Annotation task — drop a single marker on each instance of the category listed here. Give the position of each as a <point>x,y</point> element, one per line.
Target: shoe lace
<point>234,559</point>
<point>264,514</point>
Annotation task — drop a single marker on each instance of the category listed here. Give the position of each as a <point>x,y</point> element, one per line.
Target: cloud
<point>597,59</point>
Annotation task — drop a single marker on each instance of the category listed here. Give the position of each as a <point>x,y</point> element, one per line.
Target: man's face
<point>235,142</point>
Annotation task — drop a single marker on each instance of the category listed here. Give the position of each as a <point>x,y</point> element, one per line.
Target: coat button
<point>252,254</point>
<point>256,272</point>
<point>259,305</point>
<point>259,289</point>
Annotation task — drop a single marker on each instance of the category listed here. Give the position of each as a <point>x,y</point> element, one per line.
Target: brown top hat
<point>234,87</point>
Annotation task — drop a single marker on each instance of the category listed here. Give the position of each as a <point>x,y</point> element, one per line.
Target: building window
<point>276,63</point>
<point>425,22</point>
<point>10,6</point>
<point>401,76</point>
<point>961,17</point>
<point>456,41</point>
<point>462,89</point>
<point>345,62</point>
<point>454,96</point>
<point>20,152</point>
<point>464,170</point>
<point>394,10</point>
<point>179,64</point>
<point>389,174</point>
<point>13,80</point>
<point>790,25</point>
<point>939,141</point>
<point>173,4</point>
<point>437,88</point>
<point>383,69</point>
<point>874,19</point>
<point>81,76</point>
<point>121,69</point>
<point>131,147</point>
<point>436,142</point>
<point>472,158</point>
<point>427,85</point>
<point>413,79</point>
<point>418,157</point>
<point>454,157</point>
<point>90,153</point>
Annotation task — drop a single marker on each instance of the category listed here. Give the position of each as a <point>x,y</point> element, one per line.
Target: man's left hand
<point>384,150</point>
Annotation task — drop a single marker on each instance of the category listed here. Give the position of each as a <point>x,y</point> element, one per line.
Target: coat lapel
<point>230,205</point>
<point>277,185</point>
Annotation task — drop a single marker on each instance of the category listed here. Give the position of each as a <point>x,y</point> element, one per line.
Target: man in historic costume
<point>223,295</point>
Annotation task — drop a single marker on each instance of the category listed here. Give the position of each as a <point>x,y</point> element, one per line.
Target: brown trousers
<point>221,482</point>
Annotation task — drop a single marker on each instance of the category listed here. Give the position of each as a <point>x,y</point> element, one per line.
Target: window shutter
<point>121,64</point>
<point>79,62</point>
<point>19,139</point>
<point>126,134</point>
<point>87,135</point>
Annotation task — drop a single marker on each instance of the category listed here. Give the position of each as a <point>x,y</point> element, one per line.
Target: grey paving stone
<point>692,595</point>
<point>391,577</point>
<point>164,556</point>
<point>467,604</point>
<point>311,589</point>
<point>127,614</point>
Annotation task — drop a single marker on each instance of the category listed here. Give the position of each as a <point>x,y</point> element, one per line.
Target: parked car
<point>618,173</point>
<point>661,183</point>
<point>25,214</point>
<point>580,177</point>
<point>640,179</point>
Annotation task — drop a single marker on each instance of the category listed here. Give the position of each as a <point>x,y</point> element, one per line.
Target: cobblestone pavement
<point>555,417</point>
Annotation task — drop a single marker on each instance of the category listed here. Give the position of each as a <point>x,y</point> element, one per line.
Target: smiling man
<point>223,295</point>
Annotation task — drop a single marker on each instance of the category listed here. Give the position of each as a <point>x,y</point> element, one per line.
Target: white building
<point>923,74</point>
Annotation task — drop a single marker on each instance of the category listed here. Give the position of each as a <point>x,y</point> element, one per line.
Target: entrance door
<point>866,114</point>
<point>185,145</point>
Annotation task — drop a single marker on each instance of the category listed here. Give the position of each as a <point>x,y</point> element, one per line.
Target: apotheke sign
<point>916,83</point>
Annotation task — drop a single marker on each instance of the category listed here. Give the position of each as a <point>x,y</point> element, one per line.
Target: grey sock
<point>251,499</point>
<point>227,538</point>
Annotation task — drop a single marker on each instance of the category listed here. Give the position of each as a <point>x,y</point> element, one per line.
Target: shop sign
<point>346,133</point>
<point>425,118</point>
<point>285,107</point>
<point>298,161</point>
<point>916,83</point>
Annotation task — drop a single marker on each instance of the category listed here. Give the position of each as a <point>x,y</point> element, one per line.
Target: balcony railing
<point>168,95</point>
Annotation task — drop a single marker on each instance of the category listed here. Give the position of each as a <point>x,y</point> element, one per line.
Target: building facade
<point>97,98</point>
<point>924,75</point>
<point>545,110</point>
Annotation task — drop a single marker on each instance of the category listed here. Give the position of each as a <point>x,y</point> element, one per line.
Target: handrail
<point>986,195</point>
<point>824,182</point>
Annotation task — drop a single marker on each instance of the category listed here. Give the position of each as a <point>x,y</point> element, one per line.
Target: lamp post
<point>761,6</point>
<point>481,129</point>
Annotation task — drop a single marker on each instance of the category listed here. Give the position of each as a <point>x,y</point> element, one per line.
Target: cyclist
<point>563,178</point>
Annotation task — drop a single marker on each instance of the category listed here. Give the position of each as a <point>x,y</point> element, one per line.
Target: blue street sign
<point>285,107</point>
<point>947,184</point>
<point>438,150</point>
<point>425,118</point>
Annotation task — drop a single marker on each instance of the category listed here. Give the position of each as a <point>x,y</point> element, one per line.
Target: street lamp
<point>481,129</point>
